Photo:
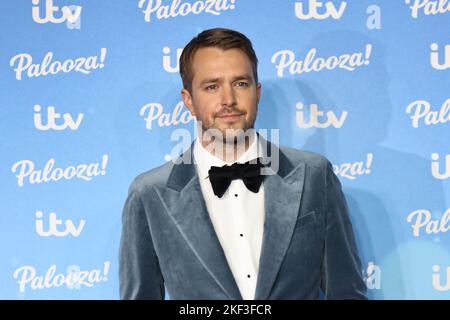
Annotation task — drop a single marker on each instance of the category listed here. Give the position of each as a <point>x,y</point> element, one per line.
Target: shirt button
<point>248,276</point>
<point>235,195</point>
<point>242,235</point>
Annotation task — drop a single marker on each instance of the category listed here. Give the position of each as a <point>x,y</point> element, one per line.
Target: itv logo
<point>52,116</point>
<point>436,279</point>
<point>70,14</point>
<point>313,12</point>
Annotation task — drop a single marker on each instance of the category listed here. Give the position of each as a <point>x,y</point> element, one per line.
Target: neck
<point>228,151</point>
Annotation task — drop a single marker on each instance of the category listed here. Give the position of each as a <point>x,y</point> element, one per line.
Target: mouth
<point>232,117</point>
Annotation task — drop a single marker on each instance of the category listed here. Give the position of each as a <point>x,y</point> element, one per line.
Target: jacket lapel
<point>282,195</point>
<point>183,199</point>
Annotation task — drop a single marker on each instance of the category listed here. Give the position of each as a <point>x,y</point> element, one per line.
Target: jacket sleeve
<point>139,272</point>
<point>341,269</point>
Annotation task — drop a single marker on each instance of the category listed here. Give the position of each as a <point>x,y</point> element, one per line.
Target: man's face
<point>224,94</point>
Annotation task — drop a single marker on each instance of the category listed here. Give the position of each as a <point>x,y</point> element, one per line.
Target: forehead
<point>216,62</point>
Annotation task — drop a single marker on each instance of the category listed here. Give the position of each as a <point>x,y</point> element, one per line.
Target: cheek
<point>250,102</point>
<point>205,107</point>
<point>250,97</point>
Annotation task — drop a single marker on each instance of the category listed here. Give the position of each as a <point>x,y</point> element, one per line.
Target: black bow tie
<point>250,173</point>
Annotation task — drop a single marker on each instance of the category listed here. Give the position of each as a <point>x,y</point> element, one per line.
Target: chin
<point>236,134</point>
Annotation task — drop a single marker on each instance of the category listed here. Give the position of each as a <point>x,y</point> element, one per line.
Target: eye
<point>211,87</point>
<point>242,84</point>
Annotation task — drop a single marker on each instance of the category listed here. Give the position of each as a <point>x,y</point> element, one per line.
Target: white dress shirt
<point>237,217</point>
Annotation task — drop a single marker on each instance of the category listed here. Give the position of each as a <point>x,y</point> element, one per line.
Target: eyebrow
<point>236,78</point>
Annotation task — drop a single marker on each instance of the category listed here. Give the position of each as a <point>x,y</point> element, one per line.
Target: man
<point>209,227</point>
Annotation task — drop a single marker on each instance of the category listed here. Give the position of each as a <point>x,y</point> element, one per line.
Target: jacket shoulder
<point>311,159</point>
<point>146,180</point>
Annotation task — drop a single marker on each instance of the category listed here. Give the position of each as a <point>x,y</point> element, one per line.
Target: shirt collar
<point>205,160</point>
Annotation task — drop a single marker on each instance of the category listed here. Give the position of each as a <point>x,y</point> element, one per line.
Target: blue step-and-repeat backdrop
<point>90,97</point>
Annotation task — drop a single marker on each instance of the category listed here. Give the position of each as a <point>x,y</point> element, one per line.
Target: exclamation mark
<point>106,270</point>
<point>368,53</point>
<point>232,5</point>
<point>369,162</point>
<point>102,57</point>
<point>104,164</point>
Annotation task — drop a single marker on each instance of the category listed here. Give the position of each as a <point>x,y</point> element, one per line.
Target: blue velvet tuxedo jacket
<point>168,241</point>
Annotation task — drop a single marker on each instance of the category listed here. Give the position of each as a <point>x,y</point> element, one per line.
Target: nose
<point>228,98</point>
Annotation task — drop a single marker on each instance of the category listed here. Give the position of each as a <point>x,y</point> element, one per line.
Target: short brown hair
<point>219,38</point>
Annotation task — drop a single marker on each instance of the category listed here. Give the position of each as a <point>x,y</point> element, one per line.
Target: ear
<point>187,98</point>
<point>258,92</point>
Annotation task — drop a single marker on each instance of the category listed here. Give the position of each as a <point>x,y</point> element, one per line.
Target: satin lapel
<point>184,203</point>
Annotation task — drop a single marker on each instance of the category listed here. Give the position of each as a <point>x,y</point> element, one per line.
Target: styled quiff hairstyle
<point>218,38</point>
